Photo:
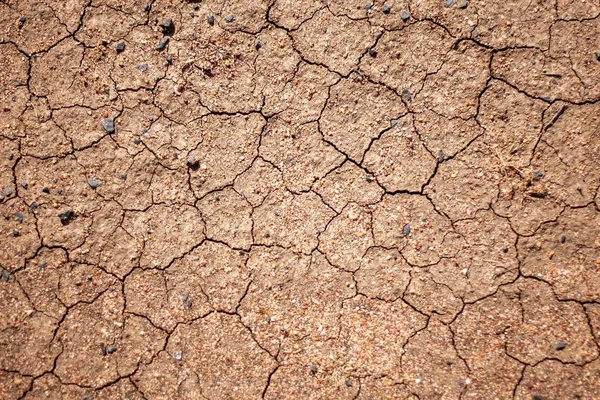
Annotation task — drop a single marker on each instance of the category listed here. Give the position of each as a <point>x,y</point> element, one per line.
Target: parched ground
<point>300,199</point>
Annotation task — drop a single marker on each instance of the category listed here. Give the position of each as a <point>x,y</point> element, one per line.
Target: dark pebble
<point>448,362</point>
<point>137,140</point>
<point>33,206</point>
<point>406,95</point>
<point>108,124</point>
<point>537,398</point>
<point>65,216</point>
<point>373,52</point>
<point>348,383</point>
<point>147,7</point>
<point>94,183</point>
<point>111,349</point>
<point>120,47</point>
<point>22,20</point>
<point>8,191</point>
<point>313,369</point>
<point>597,55</point>
<point>229,19</point>
<point>167,26</point>
<point>5,275</point>
<point>404,15</point>
<point>211,19</point>
<point>103,349</point>
<point>196,7</point>
<point>142,67</point>
<point>16,233</point>
<point>163,43</point>
<point>386,9</point>
<point>537,175</point>
<point>25,185</point>
<point>563,239</point>
<point>369,178</point>
<point>123,176</point>
<point>441,156</point>
<point>406,229</point>
<point>170,59</point>
<point>46,190</point>
<point>505,249</point>
<point>185,296</point>
<point>463,4</point>
<point>19,216</point>
<point>258,45</point>
<point>267,235</point>
<point>449,3</point>
<point>192,163</point>
<point>192,14</point>
<point>560,346</point>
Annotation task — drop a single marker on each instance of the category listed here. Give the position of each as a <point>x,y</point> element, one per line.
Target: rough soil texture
<point>300,199</point>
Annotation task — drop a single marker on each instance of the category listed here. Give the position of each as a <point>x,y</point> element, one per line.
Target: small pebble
<point>229,19</point>
<point>348,383</point>
<point>368,5</point>
<point>560,346</point>
<point>65,216</point>
<point>19,216</point>
<point>167,26</point>
<point>170,59</point>
<point>142,67</point>
<point>313,369</point>
<point>537,175</point>
<point>177,356</point>
<point>185,296</point>
<point>108,124</point>
<point>211,19</point>
<point>111,349</point>
<point>147,7</point>
<point>406,229</point>
<point>46,190</point>
<point>59,191</point>
<point>162,44</point>
<point>258,45</point>
<point>192,14</point>
<point>563,239</point>
<point>537,398</point>
<point>16,232</point>
<point>103,349</point>
<point>441,156</point>
<point>196,7</point>
<point>123,176</point>
<point>5,275</point>
<point>404,15</point>
<point>597,55</point>
<point>449,3</point>
<point>22,20</point>
<point>192,163</point>
<point>394,122</point>
<point>406,95</point>
<point>42,264</point>
<point>25,185</point>
<point>386,9</point>
<point>372,52</point>
<point>33,206</point>
<point>8,191</point>
<point>463,4</point>
<point>94,183</point>
<point>120,47</point>
<point>505,249</point>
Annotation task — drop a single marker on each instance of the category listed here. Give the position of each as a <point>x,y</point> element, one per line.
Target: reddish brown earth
<point>300,199</point>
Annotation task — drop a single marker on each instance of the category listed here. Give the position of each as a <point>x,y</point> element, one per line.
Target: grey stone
<point>163,43</point>
<point>108,124</point>
<point>120,47</point>
<point>94,183</point>
<point>404,15</point>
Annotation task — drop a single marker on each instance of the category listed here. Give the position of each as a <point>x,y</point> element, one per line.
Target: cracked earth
<point>300,199</point>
